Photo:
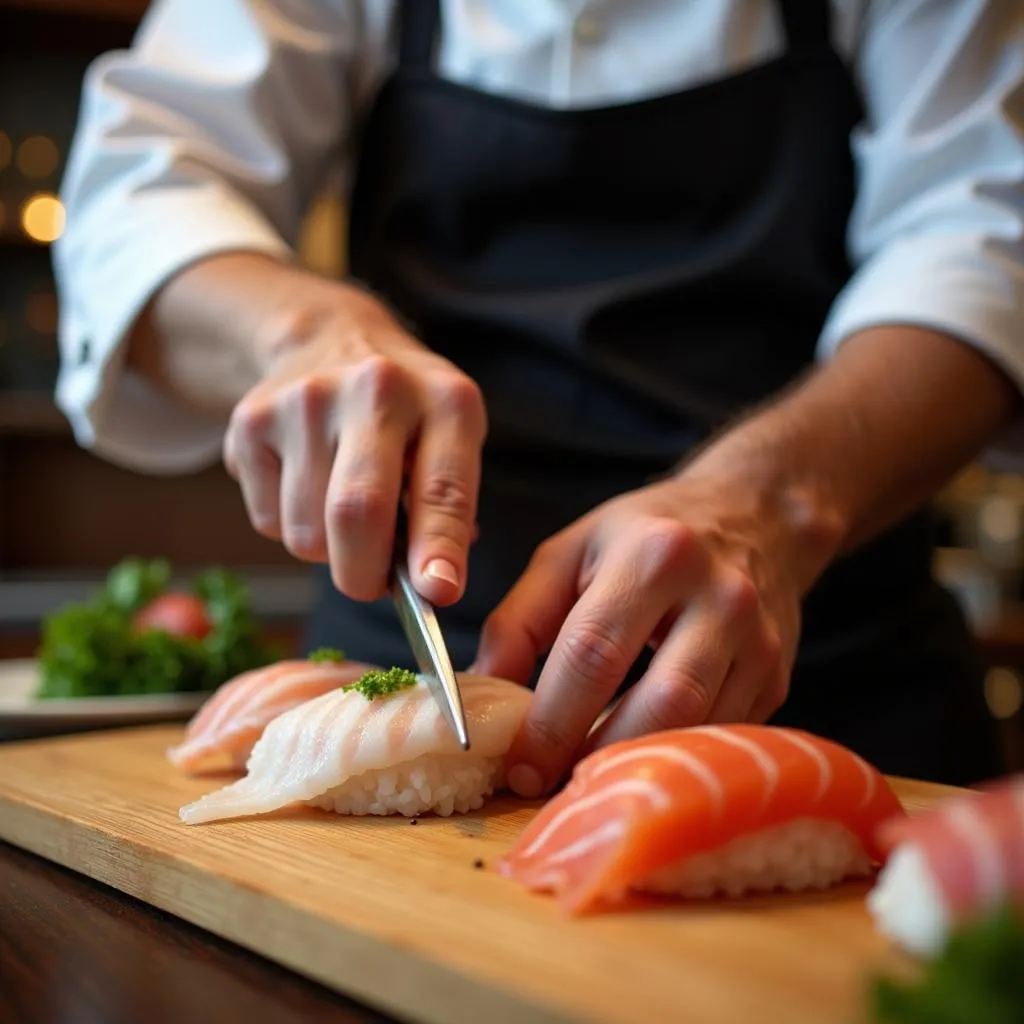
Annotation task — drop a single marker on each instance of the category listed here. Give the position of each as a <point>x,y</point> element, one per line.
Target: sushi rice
<point>797,856</point>
<point>452,784</point>
<point>907,904</point>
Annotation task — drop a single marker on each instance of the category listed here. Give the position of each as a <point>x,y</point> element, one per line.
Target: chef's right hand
<point>347,406</point>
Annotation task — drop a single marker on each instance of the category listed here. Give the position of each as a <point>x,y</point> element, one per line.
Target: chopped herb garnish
<point>383,682</point>
<point>327,654</point>
<point>978,977</point>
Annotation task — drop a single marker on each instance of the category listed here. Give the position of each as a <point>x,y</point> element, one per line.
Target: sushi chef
<point>672,317</point>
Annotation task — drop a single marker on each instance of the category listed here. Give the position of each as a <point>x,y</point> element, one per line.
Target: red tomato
<point>177,614</point>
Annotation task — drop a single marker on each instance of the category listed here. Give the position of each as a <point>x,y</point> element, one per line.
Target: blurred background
<point>66,517</point>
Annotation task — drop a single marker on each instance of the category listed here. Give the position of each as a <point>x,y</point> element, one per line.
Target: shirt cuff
<point>106,285</point>
<point>966,286</point>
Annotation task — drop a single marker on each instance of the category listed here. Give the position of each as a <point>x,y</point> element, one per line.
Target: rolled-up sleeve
<point>211,134</point>
<point>937,232</point>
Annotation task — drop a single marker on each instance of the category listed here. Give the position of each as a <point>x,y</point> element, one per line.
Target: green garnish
<point>327,654</point>
<point>383,682</point>
<point>98,648</point>
<point>978,979</point>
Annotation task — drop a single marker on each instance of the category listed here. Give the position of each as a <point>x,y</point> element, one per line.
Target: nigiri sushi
<point>948,867</point>
<point>706,810</point>
<point>391,755</point>
<point>222,732</point>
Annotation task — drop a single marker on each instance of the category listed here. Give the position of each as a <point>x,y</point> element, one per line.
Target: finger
<point>776,671</point>
<point>378,412</point>
<point>443,490</point>
<point>680,685</point>
<point>306,451</point>
<point>598,643</point>
<point>362,506</point>
<point>251,461</point>
<point>685,680</point>
<point>525,624</point>
<point>737,695</point>
<point>657,637</point>
<point>756,681</point>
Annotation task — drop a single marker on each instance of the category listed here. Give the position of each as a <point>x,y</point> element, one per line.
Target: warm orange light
<point>42,217</point>
<point>1003,693</point>
<point>38,157</point>
<point>5,150</point>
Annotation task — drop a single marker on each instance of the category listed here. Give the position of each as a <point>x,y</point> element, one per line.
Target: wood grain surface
<point>401,917</point>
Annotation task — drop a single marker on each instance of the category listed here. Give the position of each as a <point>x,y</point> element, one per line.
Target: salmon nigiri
<point>224,729</point>
<point>699,811</point>
<point>394,754</point>
<point>948,867</point>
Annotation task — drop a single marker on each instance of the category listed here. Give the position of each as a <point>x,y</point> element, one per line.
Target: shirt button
<point>589,30</point>
<point>84,352</point>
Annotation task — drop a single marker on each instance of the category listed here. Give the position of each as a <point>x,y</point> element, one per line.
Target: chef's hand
<point>347,405</point>
<point>702,572</point>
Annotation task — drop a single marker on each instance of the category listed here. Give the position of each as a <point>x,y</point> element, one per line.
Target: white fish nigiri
<point>392,755</point>
<point>950,866</point>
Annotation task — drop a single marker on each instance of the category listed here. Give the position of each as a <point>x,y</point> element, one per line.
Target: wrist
<point>306,309</point>
<point>801,517</point>
<point>254,309</point>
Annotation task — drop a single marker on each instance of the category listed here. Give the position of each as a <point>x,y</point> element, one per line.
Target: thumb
<point>524,626</point>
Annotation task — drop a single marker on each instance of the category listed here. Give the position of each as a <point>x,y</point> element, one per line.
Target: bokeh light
<point>38,157</point>
<point>1003,692</point>
<point>42,217</point>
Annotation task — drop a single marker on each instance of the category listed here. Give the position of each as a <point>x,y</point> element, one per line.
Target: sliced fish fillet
<point>223,731</point>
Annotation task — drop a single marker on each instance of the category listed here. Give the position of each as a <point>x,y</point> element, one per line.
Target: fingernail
<point>441,569</point>
<point>525,780</point>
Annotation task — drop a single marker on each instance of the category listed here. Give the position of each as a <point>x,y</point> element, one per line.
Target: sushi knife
<point>422,630</point>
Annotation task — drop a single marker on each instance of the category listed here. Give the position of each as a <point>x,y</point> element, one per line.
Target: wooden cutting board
<point>404,918</point>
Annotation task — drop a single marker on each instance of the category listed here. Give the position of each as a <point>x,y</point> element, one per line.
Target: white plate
<point>22,715</point>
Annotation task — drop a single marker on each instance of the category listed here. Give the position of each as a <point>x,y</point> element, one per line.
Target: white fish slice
<point>393,755</point>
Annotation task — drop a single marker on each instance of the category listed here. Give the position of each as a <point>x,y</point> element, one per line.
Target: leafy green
<point>234,644</point>
<point>327,654</point>
<point>134,582</point>
<point>978,979</point>
<point>381,682</point>
<point>93,649</point>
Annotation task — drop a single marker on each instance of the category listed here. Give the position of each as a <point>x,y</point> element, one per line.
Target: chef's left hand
<point>705,573</point>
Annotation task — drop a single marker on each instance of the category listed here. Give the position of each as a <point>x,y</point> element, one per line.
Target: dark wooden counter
<point>75,951</point>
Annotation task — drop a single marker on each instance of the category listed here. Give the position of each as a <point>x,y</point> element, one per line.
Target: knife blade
<point>422,630</point>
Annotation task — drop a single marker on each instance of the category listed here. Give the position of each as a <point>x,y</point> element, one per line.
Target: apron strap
<point>418,22</point>
<point>807,23</point>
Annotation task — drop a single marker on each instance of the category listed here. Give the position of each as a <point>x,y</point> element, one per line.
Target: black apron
<point>621,281</point>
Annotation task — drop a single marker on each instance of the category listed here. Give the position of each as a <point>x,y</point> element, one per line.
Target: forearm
<point>214,329</point>
<point>866,439</point>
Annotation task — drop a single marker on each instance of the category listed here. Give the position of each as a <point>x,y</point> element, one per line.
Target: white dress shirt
<point>224,120</point>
